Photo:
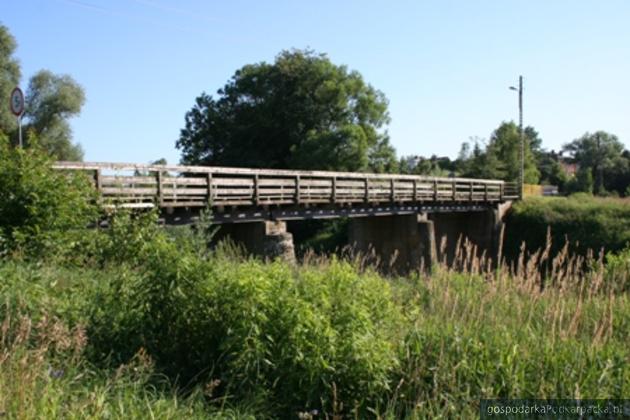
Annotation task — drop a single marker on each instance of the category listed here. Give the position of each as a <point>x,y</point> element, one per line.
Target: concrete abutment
<point>267,239</point>
<point>399,243</point>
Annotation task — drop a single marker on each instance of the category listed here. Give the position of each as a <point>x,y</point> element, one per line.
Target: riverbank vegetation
<point>135,320</point>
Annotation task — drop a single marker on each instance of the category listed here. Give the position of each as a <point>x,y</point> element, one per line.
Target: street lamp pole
<point>520,129</point>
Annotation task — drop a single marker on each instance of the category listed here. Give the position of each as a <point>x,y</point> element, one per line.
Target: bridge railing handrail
<point>252,171</point>
<point>196,186</point>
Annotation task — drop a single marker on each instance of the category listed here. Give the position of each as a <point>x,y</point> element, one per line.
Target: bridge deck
<point>171,186</point>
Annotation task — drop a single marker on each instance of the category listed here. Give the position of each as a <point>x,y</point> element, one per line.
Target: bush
<point>289,341</point>
<point>587,222</point>
<point>40,208</point>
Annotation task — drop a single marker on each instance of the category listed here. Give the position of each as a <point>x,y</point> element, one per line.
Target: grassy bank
<point>587,222</point>
<point>181,334</point>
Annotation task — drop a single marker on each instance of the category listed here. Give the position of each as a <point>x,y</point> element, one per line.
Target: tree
<point>551,171</point>
<point>505,143</point>
<point>302,111</point>
<point>501,156</point>
<point>596,153</point>
<point>50,101</point>
<point>9,78</point>
<point>419,165</point>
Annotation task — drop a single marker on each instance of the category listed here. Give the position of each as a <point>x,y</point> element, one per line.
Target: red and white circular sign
<point>17,102</point>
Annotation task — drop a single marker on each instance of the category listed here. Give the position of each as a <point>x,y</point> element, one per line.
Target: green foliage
<point>418,165</point>
<point>40,207</point>
<point>9,78</point>
<point>302,111</point>
<point>260,330</point>
<point>596,153</point>
<point>276,341</point>
<point>587,222</point>
<point>617,269</point>
<point>501,157</point>
<point>50,101</point>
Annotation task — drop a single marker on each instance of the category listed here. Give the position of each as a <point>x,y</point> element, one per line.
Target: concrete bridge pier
<point>266,239</point>
<point>482,228</point>
<point>400,243</point>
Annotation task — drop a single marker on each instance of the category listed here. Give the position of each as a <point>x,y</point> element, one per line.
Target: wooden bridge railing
<point>196,186</point>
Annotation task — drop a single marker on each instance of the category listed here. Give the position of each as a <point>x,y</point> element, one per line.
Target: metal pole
<point>520,126</point>
<point>19,121</point>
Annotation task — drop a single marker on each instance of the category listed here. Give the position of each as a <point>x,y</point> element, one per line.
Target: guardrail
<point>140,186</point>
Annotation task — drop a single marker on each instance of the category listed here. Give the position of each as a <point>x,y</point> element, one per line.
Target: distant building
<point>571,168</point>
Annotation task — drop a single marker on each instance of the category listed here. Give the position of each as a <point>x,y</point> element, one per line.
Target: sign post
<point>17,108</point>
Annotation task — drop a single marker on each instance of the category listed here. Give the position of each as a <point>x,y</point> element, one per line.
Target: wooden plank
<point>184,191</point>
<point>129,191</point>
<point>108,179</point>
<point>184,181</point>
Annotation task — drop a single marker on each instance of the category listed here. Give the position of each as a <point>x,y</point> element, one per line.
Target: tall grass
<point>163,329</point>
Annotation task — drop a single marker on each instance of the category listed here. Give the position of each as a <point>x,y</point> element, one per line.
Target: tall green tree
<point>301,111</point>
<point>596,153</point>
<point>51,100</point>
<point>501,156</point>
<point>9,78</point>
<point>505,144</point>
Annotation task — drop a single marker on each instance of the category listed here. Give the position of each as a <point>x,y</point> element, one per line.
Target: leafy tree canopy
<point>501,156</point>
<point>51,100</point>
<point>596,153</point>
<point>302,111</point>
<point>9,78</point>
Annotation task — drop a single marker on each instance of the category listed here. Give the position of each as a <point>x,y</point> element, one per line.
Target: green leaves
<point>302,111</point>
<point>39,207</point>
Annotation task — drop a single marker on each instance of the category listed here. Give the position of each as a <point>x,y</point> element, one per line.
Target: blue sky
<point>445,66</point>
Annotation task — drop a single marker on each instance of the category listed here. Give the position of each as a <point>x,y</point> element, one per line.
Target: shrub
<point>587,222</point>
<point>289,341</point>
<point>40,207</point>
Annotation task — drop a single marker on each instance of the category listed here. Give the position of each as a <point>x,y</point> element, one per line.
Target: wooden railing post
<point>415,190</point>
<point>97,180</point>
<point>334,189</point>
<point>297,189</point>
<point>471,191</point>
<point>485,191</point>
<point>256,190</point>
<point>501,190</point>
<point>367,190</point>
<point>392,195</point>
<point>210,190</point>
<point>435,190</point>
<point>454,190</point>
<point>160,195</point>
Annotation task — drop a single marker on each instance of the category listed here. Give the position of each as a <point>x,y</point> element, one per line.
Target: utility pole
<point>520,129</point>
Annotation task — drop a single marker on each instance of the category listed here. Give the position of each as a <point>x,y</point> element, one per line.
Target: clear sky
<point>445,66</point>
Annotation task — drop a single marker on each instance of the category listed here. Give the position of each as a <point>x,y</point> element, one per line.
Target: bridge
<point>253,205</point>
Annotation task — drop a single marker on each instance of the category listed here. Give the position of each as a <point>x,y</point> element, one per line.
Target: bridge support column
<point>401,243</point>
<point>482,228</point>
<point>268,239</point>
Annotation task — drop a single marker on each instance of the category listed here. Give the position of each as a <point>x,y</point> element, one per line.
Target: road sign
<point>17,102</point>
